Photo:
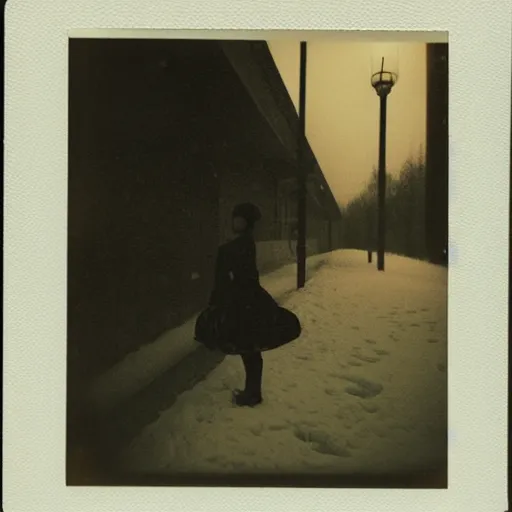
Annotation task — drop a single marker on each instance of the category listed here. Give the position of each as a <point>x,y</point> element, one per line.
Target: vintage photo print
<point>249,267</point>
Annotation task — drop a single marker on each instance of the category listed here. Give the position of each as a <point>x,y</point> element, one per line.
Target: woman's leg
<point>251,395</point>
<point>253,364</point>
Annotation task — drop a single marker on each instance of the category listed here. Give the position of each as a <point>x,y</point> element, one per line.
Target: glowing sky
<point>342,109</point>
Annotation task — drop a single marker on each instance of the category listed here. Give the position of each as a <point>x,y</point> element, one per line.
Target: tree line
<point>405,213</point>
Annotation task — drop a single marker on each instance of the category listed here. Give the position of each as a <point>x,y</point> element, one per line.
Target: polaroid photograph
<point>233,263</point>
<point>255,264</point>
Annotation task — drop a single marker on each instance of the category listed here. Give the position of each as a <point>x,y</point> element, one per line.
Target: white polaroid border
<point>35,241</point>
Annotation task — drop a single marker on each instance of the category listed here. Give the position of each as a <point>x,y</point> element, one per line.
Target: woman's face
<point>239,224</point>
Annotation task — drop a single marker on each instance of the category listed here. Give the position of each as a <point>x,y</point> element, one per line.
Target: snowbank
<point>364,389</point>
<point>141,367</point>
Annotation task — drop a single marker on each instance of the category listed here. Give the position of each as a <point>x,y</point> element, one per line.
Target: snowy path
<point>363,390</point>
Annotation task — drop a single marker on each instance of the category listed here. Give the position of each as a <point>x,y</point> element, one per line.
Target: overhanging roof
<point>257,70</point>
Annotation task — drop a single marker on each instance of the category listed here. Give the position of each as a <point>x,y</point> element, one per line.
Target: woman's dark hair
<point>249,212</point>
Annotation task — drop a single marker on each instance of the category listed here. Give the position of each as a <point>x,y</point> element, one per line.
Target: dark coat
<point>236,273</point>
<point>242,316</point>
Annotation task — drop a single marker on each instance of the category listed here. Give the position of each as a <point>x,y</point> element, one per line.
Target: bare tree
<point>405,208</point>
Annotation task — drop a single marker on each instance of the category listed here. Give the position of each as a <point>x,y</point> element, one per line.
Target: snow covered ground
<point>363,390</point>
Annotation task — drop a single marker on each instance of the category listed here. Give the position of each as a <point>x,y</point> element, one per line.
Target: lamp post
<point>382,81</point>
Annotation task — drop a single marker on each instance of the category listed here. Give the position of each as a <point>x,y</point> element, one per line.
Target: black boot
<point>245,399</point>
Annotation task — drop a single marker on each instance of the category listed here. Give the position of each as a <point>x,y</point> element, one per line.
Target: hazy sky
<point>342,109</point>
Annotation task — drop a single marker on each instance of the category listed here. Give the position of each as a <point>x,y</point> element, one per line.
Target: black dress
<point>242,316</point>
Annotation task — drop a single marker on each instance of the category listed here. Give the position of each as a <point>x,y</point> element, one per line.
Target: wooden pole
<point>301,173</point>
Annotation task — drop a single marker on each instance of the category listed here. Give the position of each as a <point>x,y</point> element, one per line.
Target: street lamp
<point>382,81</point>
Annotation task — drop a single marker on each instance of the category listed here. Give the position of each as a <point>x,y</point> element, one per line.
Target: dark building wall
<point>335,234</point>
<point>320,230</point>
<point>254,182</point>
<point>163,141</point>
<point>159,132</point>
<point>139,197</point>
<point>436,198</point>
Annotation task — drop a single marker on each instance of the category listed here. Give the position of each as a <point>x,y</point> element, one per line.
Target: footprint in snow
<point>370,408</point>
<point>256,430</point>
<point>321,442</point>
<point>277,428</point>
<point>354,363</point>
<point>381,352</point>
<point>432,340</point>
<point>363,388</point>
<point>366,359</point>
<point>371,342</point>
<point>353,445</point>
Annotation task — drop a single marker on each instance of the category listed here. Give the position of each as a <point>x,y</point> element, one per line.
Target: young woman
<point>242,318</point>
